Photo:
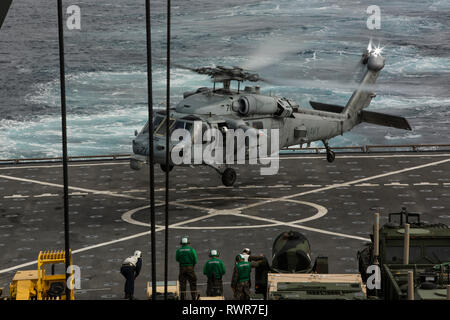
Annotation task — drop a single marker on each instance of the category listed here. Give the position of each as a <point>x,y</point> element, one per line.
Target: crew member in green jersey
<point>240,282</point>
<point>187,258</point>
<point>214,269</point>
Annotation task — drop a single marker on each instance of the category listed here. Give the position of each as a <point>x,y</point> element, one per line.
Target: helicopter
<point>281,121</point>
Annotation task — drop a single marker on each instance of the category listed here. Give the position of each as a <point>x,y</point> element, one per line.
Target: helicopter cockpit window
<point>162,127</point>
<point>156,122</point>
<point>180,124</point>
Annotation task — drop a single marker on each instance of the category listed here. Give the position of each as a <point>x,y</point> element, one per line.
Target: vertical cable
<point>166,253</point>
<point>150,146</point>
<point>64,142</point>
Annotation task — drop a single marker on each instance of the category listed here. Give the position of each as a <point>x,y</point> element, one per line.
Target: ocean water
<point>308,48</point>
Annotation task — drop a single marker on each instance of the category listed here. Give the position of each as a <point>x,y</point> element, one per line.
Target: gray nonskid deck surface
<point>332,204</point>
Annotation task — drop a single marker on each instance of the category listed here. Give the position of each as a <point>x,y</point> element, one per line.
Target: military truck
<point>292,275</point>
<point>405,244</point>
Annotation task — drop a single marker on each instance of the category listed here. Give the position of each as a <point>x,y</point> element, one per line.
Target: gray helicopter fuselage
<point>244,109</point>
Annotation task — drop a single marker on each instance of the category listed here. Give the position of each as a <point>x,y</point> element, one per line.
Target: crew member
<point>187,258</point>
<point>131,267</point>
<point>240,282</point>
<point>246,253</point>
<point>214,269</point>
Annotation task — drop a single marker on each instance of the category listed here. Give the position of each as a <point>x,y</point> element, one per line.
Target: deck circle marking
<point>321,211</point>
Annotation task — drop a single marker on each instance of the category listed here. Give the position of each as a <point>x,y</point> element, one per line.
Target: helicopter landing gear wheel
<point>135,164</point>
<point>229,177</point>
<point>331,156</point>
<point>164,168</point>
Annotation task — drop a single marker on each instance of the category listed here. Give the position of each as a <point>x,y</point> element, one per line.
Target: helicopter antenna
<point>150,146</point>
<point>64,144</point>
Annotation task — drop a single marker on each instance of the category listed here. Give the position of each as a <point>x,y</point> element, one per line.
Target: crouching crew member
<point>214,269</point>
<point>131,267</point>
<point>187,258</point>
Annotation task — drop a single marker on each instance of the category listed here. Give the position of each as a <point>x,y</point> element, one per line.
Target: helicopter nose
<point>139,148</point>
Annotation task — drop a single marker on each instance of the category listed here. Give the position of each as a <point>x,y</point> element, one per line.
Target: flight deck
<point>332,204</point>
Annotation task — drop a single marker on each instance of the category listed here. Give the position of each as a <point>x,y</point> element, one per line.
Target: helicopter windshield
<point>173,125</point>
<point>156,122</point>
<point>161,130</point>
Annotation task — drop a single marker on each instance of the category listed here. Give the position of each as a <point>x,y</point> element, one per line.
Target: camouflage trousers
<point>188,274</point>
<point>242,291</point>
<point>214,287</point>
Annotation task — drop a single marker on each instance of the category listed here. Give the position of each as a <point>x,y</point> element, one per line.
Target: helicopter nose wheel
<point>135,164</point>
<point>164,168</point>
<point>229,177</point>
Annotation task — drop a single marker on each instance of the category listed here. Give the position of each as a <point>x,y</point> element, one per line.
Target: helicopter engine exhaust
<point>248,105</point>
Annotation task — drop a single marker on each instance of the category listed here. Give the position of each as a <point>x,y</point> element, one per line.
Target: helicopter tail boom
<point>363,95</point>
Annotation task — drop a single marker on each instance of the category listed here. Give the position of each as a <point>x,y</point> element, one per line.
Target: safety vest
<point>244,268</point>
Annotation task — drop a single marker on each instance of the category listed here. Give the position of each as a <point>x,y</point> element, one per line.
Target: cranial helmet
<point>213,253</point>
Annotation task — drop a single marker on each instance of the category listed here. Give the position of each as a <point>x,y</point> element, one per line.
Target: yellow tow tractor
<point>37,284</point>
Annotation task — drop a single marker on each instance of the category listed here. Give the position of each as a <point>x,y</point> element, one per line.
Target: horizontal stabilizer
<point>377,118</point>
<point>384,119</point>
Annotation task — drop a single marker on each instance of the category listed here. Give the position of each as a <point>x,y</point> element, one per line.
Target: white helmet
<point>184,240</point>
<point>138,254</point>
<point>213,253</point>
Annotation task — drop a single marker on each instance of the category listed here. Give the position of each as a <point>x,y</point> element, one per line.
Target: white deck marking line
<point>294,225</point>
<point>345,184</point>
<point>321,211</point>
<point>16,196</point>
<point>426,184</point>
<point>60,166</point>
<point>82,249</point>
<point>379,156</point>
<point>107,193</point>
<point>115,241</point>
